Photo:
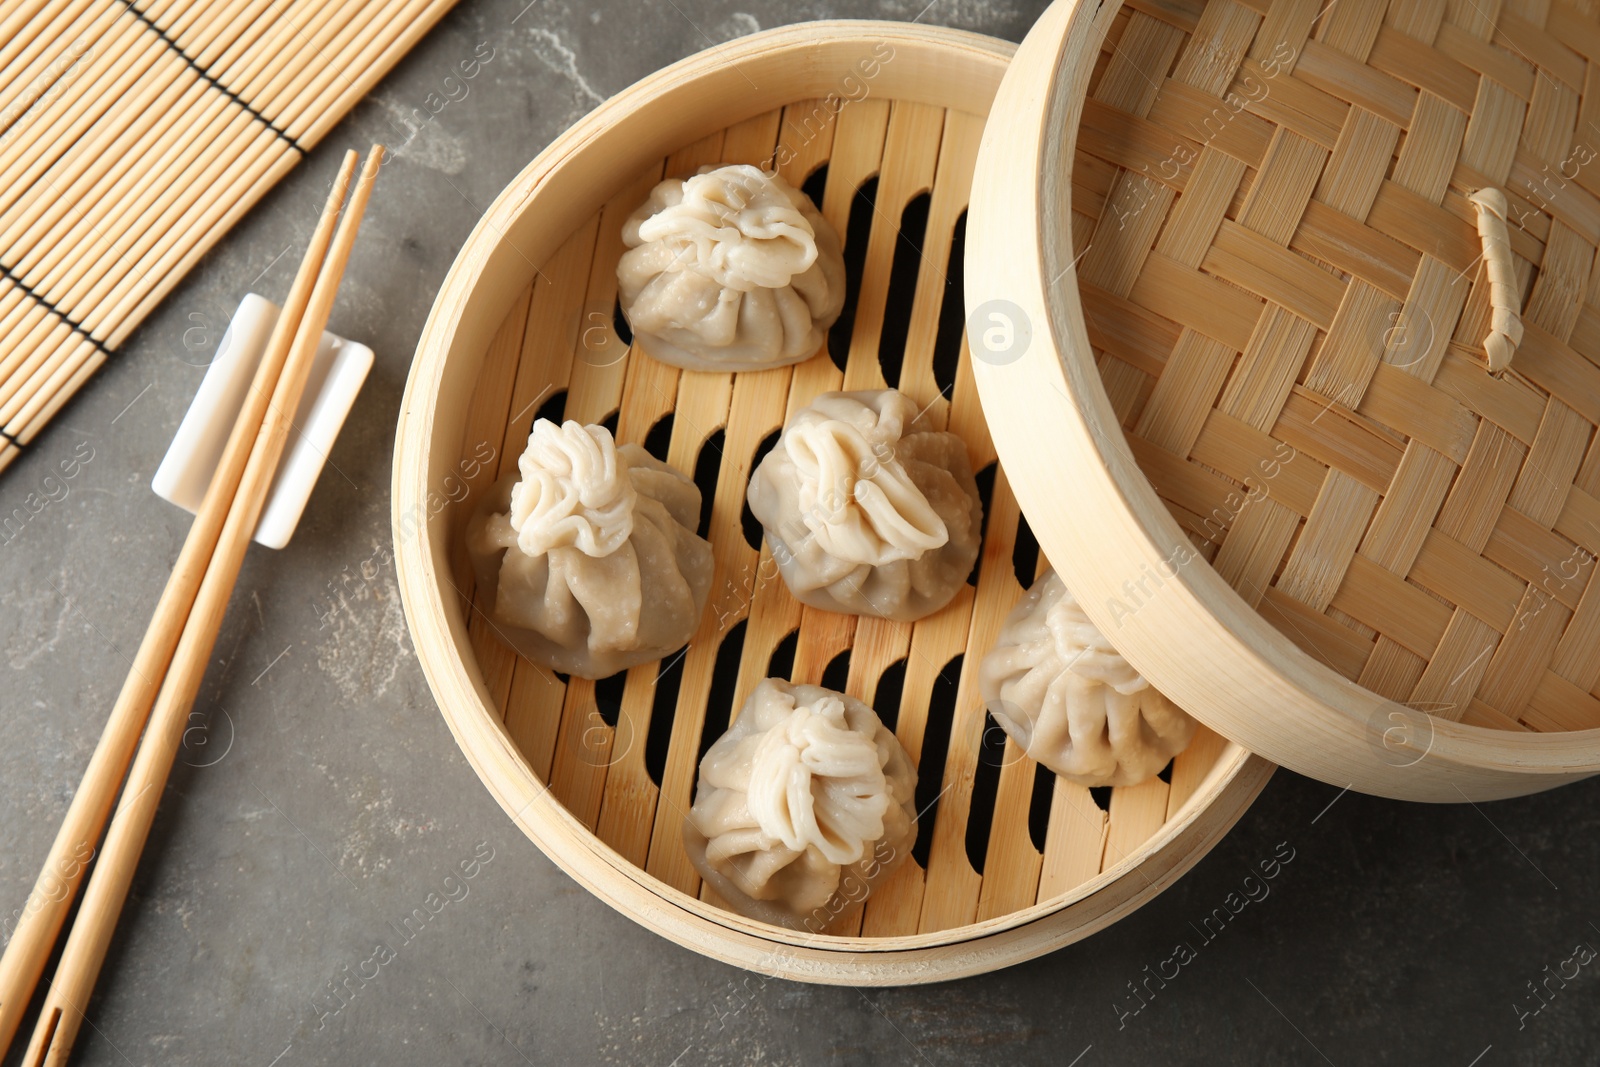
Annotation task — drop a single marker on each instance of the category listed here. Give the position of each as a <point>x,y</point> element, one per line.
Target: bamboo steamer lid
<point>1233,323</point>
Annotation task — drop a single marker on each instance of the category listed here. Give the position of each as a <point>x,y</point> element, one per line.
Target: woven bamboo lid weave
<point>1228,318</point>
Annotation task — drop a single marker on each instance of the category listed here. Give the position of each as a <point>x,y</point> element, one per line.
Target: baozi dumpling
<point>804,805</point>
<point>589,553</point>
<point>733,269</point>
<point>1054,683</point>
<point>868,510</point>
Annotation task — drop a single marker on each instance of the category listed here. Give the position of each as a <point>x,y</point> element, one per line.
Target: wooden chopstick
<point>30,945</point>
<point>75,975</point>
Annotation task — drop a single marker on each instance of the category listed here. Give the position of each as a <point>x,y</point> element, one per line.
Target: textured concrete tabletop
<point>320,796</point>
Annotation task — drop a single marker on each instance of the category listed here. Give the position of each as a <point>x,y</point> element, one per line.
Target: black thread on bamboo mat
<point>214,83</point>
<point>13,440</point>
<point>77,327</point>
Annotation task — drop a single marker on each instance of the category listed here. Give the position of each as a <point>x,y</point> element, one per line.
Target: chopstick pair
<point>167,669</point>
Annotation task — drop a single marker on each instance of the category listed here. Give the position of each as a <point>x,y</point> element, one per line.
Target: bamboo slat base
<point>1010,863</point>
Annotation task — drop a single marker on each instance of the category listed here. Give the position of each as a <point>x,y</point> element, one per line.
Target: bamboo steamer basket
<point>1236,238</point>
<point>1010,863</point>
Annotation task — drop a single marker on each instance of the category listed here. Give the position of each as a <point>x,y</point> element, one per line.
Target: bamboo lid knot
<point>1505,324</point>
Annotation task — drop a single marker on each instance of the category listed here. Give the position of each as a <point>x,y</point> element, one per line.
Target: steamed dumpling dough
<point>589,553</point>
<point>1055,684</point>
<point>869,511</point>
<point>732,269</point>
<point>804,805</point>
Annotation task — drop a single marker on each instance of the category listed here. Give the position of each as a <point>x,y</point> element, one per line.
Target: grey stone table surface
<point>320,796</point>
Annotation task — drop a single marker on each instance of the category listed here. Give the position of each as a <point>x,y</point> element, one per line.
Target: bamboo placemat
<point>132,136</point>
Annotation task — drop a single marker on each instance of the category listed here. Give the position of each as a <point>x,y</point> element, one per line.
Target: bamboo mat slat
<point>133,135</point>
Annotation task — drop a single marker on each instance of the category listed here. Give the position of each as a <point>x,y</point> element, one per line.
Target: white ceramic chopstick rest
<point>336,376</point>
